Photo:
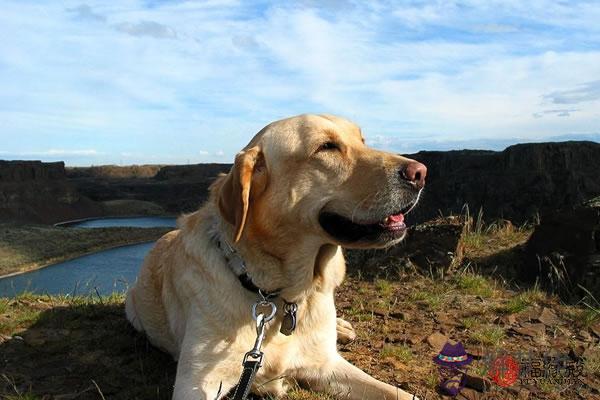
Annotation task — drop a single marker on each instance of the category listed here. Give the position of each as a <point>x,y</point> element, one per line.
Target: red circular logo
<point>504,370</point>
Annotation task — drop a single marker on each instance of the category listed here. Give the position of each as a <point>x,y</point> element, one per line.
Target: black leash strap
<point>263,311</point>
<point>251,366</point>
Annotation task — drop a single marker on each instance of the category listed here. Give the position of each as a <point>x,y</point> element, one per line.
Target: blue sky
<point>129,82</point>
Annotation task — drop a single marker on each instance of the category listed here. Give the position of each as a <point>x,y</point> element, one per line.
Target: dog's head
<point>313,175</point>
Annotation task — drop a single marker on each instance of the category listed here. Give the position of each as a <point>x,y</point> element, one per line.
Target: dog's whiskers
<point>361,202</point>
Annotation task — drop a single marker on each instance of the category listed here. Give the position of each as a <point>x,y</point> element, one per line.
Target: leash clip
<point>263,304</point>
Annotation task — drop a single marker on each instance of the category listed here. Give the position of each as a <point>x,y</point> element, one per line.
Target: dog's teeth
<point>386,220</point>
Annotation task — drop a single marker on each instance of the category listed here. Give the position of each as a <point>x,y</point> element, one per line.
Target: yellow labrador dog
<point>299,191</point>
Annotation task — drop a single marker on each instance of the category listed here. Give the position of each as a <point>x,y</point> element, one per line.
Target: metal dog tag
<point>288,325</point>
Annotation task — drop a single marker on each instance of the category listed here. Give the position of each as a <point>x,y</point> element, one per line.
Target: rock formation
<point>177,188</point>
<point>563,252</point>
<point>433,248</point>
<point>32,191</point>
<point>517,184</point>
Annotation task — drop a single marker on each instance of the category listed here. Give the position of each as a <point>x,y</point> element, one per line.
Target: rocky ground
<point>26,247</point>
<point>66,348</point>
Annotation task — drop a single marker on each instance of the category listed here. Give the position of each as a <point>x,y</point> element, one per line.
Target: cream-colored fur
<point>189,302</point>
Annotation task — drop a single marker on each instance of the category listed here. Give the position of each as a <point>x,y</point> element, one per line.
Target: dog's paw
<point>345,331</point>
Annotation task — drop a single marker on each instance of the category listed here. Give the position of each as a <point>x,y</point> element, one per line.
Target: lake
<point>138,222</point>
<point>107,271</point>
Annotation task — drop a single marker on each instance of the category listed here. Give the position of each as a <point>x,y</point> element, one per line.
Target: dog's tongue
<point>394,220</point>
<point>397,218</point>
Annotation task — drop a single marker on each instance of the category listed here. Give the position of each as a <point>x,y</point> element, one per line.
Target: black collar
<point>241,272</point>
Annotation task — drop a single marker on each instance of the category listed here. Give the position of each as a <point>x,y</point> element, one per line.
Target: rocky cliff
<point>518,183</point>
<point>563,252</point>
<point>178,188</point>
<point>32,191</point>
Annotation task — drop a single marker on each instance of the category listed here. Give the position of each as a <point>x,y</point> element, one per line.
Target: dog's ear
<point>247,174</point>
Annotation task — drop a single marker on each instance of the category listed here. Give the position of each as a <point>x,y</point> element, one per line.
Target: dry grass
<point>435,300</point>
<point>522,301</point>
<point>475,301</point>
<point>80,333</point>
<point>482,240</point>
<point>475,285</point>
<point>488,335</point>
<point>401,353</point>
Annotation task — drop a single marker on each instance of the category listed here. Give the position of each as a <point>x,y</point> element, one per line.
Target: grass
<point>470,322</point>
<point>300,394</point>
<point>433,299</point>
<point>358,311</point>
<point>481,239</point>
<point>591,312</point>
<point>589,317</point>
<point>479,368</point>
<point>14,315</point>
<point>17,395</point>
<point>81,338</point>
<point>547,386</point>
<point>475,285</point>
<point>384,287</point>
<point>591,363</point>
<point>25,247</point>
<point>401,353</point>
<point>89,325</point>
<point>522,301</point>
<point>3,305</point>
<point>22,396</point>
<point>26,309</point>
<point>488,335</point>
<point>432,380</point>
<point>72,345</point>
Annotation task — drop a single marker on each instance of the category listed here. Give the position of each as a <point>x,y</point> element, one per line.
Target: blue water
<point>107,271</point>
<point>139,222</point>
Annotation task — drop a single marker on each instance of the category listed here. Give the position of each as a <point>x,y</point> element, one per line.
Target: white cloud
<point>589,91</point>
<point>496,28</point>
<point>445,71</point>
<point>147,28</point>
<point>84,12</point>
<point>56,153</point>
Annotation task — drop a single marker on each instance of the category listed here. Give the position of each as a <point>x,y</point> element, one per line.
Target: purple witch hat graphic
<point>453,361</point>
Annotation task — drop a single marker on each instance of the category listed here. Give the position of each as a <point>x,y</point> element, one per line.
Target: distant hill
<point>33,191</point>
<point>175,188</point>
<point>516,183</point>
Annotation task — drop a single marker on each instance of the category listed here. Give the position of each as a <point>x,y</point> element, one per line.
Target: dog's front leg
<point>198,381</point>
<point>206,369</point>
<point>345,381</point>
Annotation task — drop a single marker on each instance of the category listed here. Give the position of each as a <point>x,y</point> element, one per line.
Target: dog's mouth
<point>390,228</point>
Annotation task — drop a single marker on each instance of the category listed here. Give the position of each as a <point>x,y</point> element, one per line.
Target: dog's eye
<point>327,146</point>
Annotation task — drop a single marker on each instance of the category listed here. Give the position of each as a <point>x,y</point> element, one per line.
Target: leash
<point>254,358</point>
<point>263,311</point>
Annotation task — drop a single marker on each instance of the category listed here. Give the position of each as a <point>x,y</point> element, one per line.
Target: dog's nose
<point>414,172</point>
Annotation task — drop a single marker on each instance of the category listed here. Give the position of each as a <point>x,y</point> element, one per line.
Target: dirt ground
<point>67,348</point>
<point>83,348</point>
